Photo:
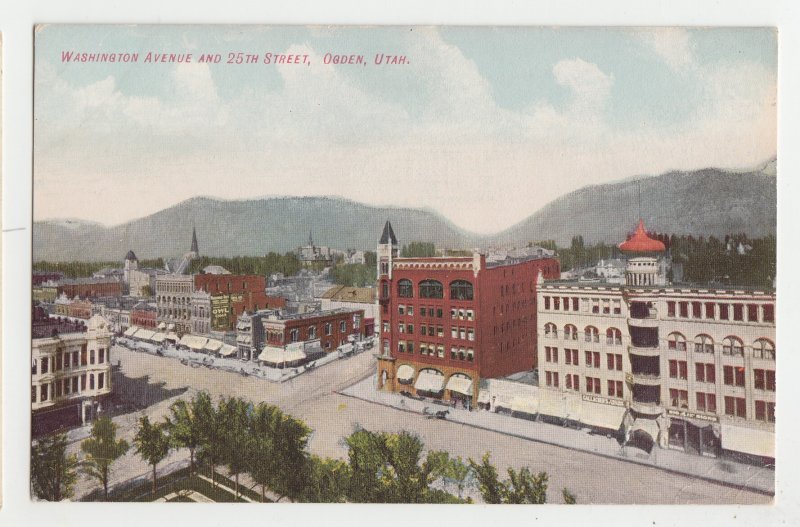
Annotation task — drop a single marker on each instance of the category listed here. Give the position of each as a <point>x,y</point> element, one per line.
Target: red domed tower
<point>643,251</point>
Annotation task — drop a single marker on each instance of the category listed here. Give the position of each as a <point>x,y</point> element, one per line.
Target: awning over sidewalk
<point>429,381</point>
<point>405,374</point>
<point>279,356</point>
<point>213,345</point>
<point>602,415</point>
<point>172,336</point>
<point>226,350</point>
<point>461,385</point>
<point>525,405</point>
<point>144,334</point>
<point>158,337</point>
<point>552,403</point>
<point>130,331</point>
<point>748,440</point>
<point>193,341</point>
<point>649,426</point>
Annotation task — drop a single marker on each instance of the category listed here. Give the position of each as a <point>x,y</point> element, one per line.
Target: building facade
<point>90,287</point>
<point>448,322</point>
<point>173,301</point>
<point>144,315</point>
<point>70,371</point>
<point>331,328</point>
<point>345,297</point>
<point>686,366</point>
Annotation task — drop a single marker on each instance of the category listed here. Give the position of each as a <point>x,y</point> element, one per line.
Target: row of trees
<point>271,447</point>
<point>83,269</point>
<point>288,264</point>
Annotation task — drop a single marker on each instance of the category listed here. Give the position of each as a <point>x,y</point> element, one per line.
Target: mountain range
<point>704,202</point>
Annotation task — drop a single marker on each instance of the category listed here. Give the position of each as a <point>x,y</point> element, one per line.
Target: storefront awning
<point>748,440</point>
<point>227,350</point>
<point>144,334</point>
<point>552,403</point>
<point>646,425</point>
<point>213,345</point>
<point>405,374</point>
<point>459,384</point>
<point>172,336</point>
<point>525,405</point>
<point>602,415</point>
<point>428,381</point>
<point>158,337</point>
<point>130,331</point>
<point>273,355</point>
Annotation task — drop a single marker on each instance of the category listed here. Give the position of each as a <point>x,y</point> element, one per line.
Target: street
<point>156,382</point>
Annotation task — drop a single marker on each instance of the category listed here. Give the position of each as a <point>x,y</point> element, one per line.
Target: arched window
<point>550,330</point>
<point>732,346</point>
<point>405,289</point>
<point>763,349</point>
<point>676,341</point>
<point>460,290</point>
<point>570,332</point>
<point>591,334</point>
<point>613,337</point>
<point>431,289</point>
<point>703,344</point>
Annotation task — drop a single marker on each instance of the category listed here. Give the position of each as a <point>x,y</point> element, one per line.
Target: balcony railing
<point>649,379</point>
<point>644,350</point>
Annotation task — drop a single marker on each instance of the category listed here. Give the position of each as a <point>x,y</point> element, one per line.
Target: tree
<point>327,481</point>
<point>185,426</point>
<point>102,449</point>
<point>212,447</point>
<point>262,464</point>
<point>569,498</point>
<point>53,472</point>
<point>521,486</point>
<point>418,249</point>
<point>152,443</point>
<point>235,414</point>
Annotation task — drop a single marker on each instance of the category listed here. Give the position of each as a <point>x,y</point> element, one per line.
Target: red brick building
<point>447,322</point>
<point>332,328</point>
<point>242,292</point>
<point>144,318</point>
<point>90,287</point>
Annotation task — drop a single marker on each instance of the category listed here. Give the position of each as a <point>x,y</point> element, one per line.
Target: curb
<point>574,449</point>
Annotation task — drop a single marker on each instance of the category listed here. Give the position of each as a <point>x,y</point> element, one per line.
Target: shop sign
<point>692,415</point>
<point>602,400</point>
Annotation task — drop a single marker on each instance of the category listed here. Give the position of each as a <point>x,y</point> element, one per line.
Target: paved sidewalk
<point>738,475</point>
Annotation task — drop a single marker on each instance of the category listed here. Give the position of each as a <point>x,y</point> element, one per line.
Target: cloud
<point>672,44</point>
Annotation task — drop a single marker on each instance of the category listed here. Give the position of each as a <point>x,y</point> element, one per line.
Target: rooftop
<point>341,293</point>
<point>682,286</point>
<point>282,315</point>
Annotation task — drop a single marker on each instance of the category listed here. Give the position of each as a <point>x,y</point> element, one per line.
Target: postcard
<point>463,265</point>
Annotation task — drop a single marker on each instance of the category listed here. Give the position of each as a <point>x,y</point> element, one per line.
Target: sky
<point>483,125</point>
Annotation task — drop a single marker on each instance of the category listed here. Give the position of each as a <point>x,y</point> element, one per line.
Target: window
<point>676,341</point>
<point>343,326</point>
<point>615,388</point>
<point>595,305</point>
<point>45,365</point>
<point>613,337</point>
<point>705,372</point>
<point>570,332</point>
<point>453,353</point>
<point>723,312</point>
<point>575,303</point>
<point>410,329</point>
<point>547,302</point>
<point>764,380</point>
<point>405,289</point>
<point>453,332</point>
<point>551,378</point>
<point>423,330</point>
<point>684,309</point>
<point>617,307</point>
<point>706,402</point>
<point>33,366</point>
<point>410,311</point>
<point>470,334</point>
<point>439,331</point>
<point>294,335</point>
<point>100,381</point>
<point>470,354</point>
<point>670,309</point>
<point>571,357</point>
<point>431,289</point>
<point>74,385</point>
<point>551,354</point>
<point>765,411</point>
<point>591,334</point>
<point>411,347</point>
<point>592,385</point>
<point>606,306</point>
<point>329,328</point>
<point>91,381</point>
<point>312,332</point>
<point>101,356</point>
<point>556,303</point>
<point>550,330</point>
<point>572,382</point>
<point>401,309</point>
<point>697,310</point>
<point>423,312</point>
<point>733,375</point>
<point>769,313</point>
<point>59,363</point>
<point>732,346</point>
<point>703,344</point>
<point>401,346</point>
<point>752,313</point>
<point>735,406</point>
<point>738,312</point>
<point>592,359</point>
<point>679,398</point>
<point>43,392</point>
<point>763,349</point>
<point>614,361</point>
<point>677,369</point>
<point>460,290</point>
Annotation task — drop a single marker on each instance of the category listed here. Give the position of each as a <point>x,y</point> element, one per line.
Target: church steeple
<point>194,248</point>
